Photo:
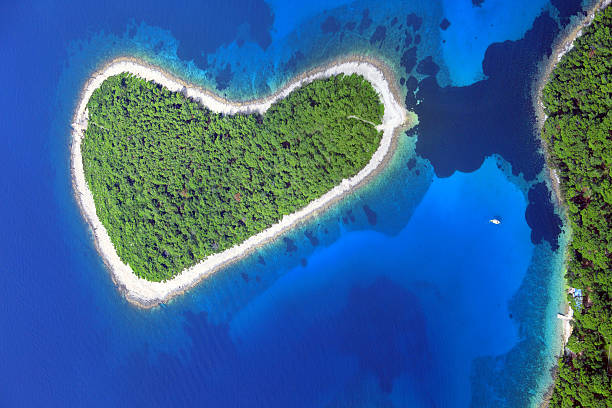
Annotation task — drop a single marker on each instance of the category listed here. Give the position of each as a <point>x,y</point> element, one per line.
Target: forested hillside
<point>174,182</point>
<point>578,133</point>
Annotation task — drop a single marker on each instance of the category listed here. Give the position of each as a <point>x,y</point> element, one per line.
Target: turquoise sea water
<point>401,295</point>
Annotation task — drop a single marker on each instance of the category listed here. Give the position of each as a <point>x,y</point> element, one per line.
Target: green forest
<point>578,135</point>
<point>174,182</point>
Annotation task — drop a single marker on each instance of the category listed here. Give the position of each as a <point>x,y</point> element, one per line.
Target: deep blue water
<point>402,295</point>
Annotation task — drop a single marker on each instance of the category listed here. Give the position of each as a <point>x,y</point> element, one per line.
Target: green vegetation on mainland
<point>174,182</point>
<point>578,133</point>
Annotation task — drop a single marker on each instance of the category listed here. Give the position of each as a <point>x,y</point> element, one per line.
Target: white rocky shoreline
<point>143,293</point>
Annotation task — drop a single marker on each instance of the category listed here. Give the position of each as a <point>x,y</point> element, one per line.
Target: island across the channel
<point>380,129</point>
<point>575,120</point>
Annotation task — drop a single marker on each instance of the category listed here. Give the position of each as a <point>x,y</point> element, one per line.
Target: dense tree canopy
<point>578,133</point>
<point>174,182</point>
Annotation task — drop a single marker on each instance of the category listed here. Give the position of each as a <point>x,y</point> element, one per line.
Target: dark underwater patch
<point>196,44</point>
<point>411,164</point>
<point>293,62</point>
<point>379,34</point>
<point>158,47</point>
<point>370,214</point>
<point>428,67</point>
<point>444,24</point>
<point>350,216</point>
<point>541,217</point>
<point>412,84</point>
<point>330,25</point>
<point>410,101</point>
<point>414,21</point>
<point>366,21</point>
<point>407,40</point>
<point>314,241</point>
<point>409,59</point>
<point>290,245</point>
<point>567,8</point>
<point>224,77</point>
<point>384,327</point>
<point>460,126</point>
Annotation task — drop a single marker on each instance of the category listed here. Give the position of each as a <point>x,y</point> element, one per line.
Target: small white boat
<point>495,221</point>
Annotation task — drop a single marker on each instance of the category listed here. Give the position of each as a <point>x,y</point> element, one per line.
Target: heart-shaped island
<point>177,182</point>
